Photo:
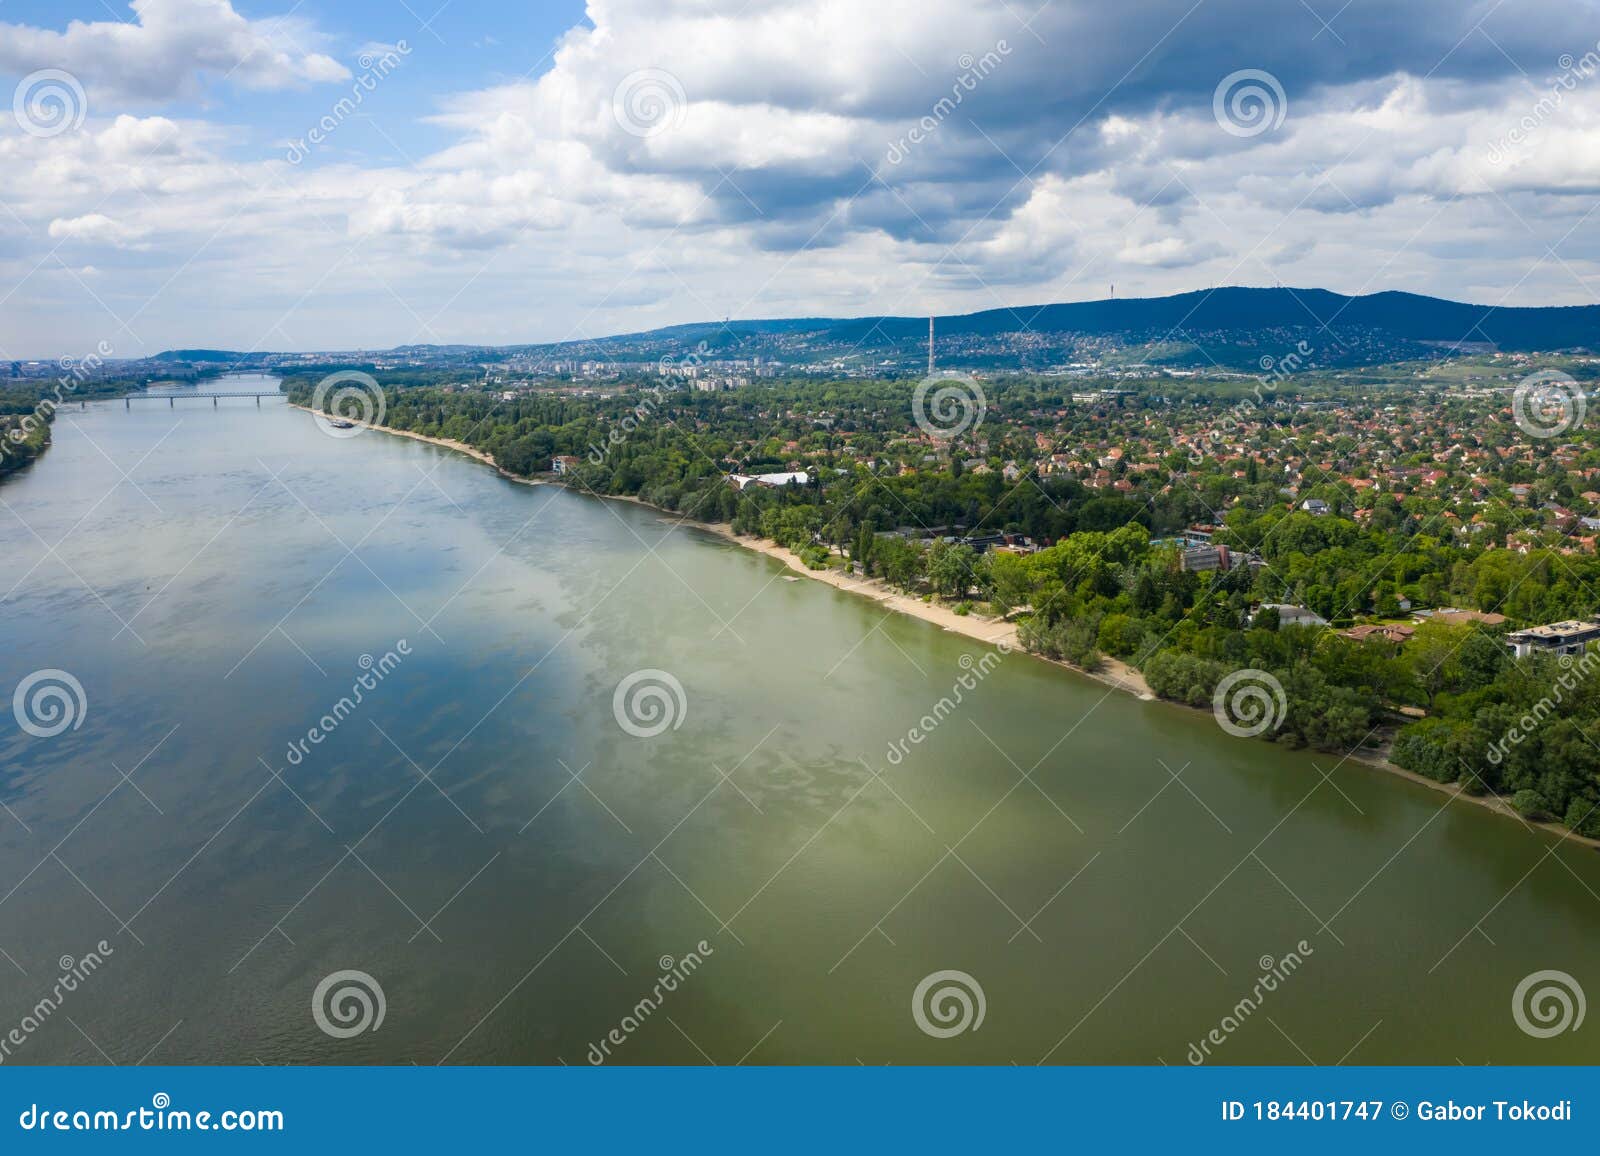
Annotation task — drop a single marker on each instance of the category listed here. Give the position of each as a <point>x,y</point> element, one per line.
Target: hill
<point>1232,328</point>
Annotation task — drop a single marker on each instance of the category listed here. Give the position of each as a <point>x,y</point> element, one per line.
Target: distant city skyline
<point>277,176</point>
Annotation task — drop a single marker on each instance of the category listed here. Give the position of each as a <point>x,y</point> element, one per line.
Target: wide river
<point>516,870</point>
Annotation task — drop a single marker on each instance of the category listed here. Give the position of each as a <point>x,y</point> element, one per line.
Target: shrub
<point>1530,804</point>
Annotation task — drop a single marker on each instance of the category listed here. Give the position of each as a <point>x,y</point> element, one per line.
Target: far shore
<point>447,443</point>
<point>991,631</point>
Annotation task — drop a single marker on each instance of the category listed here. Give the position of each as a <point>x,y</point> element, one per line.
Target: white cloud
<point>171,46</point>
<point>93,227</point>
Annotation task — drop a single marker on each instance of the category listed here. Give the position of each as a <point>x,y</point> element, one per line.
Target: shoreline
<point>447,443</point>
<point>1115,674</point>
<point>990,631</point>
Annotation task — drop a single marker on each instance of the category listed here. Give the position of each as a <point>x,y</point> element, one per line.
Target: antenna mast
<point>930,347</point>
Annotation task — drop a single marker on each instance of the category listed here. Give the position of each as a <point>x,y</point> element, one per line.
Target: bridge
<point>172,398</point>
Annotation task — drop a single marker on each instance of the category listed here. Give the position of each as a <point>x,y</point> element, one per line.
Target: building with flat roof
<point>796,477</point>
<point>1556,638</point>
<point>1202,558</point>
<point>1293,615</point>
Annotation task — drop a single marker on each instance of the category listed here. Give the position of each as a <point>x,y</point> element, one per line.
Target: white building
<point>1293,615</point>
<point>797,478</point>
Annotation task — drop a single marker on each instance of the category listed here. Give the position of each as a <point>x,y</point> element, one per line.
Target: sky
<point>281,175</point>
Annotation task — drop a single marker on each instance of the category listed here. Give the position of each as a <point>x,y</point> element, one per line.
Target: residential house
<point>1556,638</point>
<point>1293,615</point>
<point>1367,632</point>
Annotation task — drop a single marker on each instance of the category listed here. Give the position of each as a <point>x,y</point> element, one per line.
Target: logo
<point>348,1003</point>
<point>1249,102</point>
<point>648,703</point>
<point>649,102</point>
<point>345,411</point>
<point>48,702</point>
<point>1548,1003</point>
<point>1547,404</point>
<point>49,102</point>
<point>948,1003</point>
<point>1249,702</point>
<point>957,405</point>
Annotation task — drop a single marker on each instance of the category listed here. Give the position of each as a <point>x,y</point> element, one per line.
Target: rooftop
<point>1557,629</point>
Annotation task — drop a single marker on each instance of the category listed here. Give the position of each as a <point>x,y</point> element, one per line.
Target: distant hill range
<point>1235,310</point>
<point>1234,328</point>
<point>1404,315</point>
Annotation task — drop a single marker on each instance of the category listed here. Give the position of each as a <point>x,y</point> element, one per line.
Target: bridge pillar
<point>213,403</point>
<point>172,403</point>
<point>258,401</point>
<point>127,403</point>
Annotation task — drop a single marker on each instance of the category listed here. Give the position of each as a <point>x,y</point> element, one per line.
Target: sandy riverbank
<point>1499,804</point>
<point>448,443</point>
<point>990,631</point>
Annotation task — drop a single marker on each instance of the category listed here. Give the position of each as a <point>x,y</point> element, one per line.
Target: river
<point>516,870</point>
